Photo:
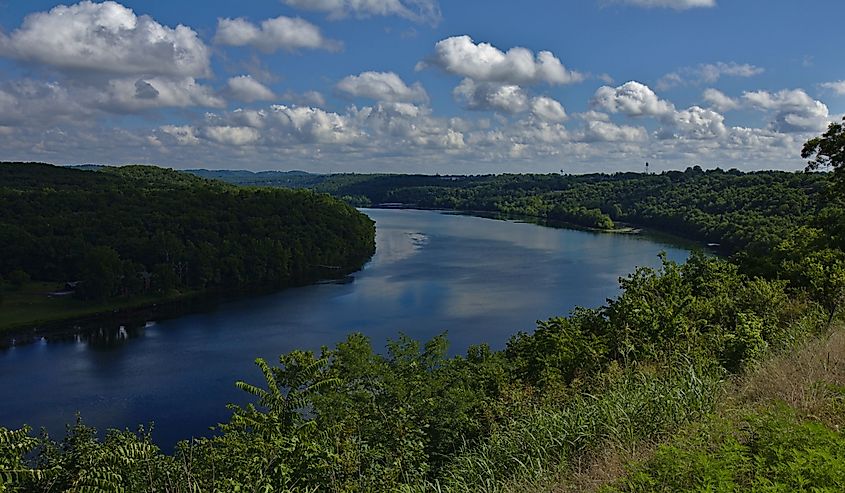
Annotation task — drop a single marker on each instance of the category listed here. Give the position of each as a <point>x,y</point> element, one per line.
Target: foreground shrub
<point>770,451</point>
<point>635,405</point>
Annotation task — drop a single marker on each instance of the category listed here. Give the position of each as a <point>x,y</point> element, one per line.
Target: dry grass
<point>590,473</point>
<point>603,468</point>
<point>805,379</point>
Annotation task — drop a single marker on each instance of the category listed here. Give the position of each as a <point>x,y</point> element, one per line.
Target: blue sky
<point>465,86</point>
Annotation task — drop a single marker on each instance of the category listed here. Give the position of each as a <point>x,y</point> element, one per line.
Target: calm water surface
<point>479,279</point>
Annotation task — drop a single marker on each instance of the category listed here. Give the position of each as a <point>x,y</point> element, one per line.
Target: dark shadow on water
<point>111,330</point>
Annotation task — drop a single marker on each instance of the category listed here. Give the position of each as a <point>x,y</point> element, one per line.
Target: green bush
<point>770,451</point>
<point>18,278</point>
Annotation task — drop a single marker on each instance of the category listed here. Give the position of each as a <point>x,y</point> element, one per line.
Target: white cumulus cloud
<point>837,87</point>
<point>548,109</point>
<point>794,110</point>
<point>36,103</point>
<point>507,98</point>
<point>695,123</point>
<point>106,37</point>
<point>183,134</point>
<point>632,99</point>
<point>719,100</point>
<point>245,88</point>
<point>131,94</point>
<point>234,136</point>
<point>460,55</point>
<point>601,131</point>
<point>314,124</point>
<point>381,86</point>
<point>280,33</point>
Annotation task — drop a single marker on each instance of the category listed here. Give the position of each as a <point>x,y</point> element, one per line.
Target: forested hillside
<point>119,232</point>
<point>749,211</point>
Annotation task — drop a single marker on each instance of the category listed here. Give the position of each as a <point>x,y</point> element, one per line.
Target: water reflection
<point>101,338</point>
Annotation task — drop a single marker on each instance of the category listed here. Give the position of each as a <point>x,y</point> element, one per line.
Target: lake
<point>481,280</point>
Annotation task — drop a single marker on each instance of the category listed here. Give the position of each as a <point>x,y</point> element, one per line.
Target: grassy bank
<point>777,428</point>
<point>31,305</point>
<point>781,429</point>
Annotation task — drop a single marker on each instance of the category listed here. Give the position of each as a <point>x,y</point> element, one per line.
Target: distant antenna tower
<point>646,167</point>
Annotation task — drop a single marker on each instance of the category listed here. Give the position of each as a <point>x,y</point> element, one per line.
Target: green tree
<point>18,278</point>
<point>101,271</point>
<point>824,272</point>
<point>828,150</point>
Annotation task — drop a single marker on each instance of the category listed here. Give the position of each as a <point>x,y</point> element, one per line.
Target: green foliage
<point>822,273</point>
<point>591,218</point>
<point>100,273</point>
<point>634,405</point>
<point>704,307</point>
<point>15,473</point>
<point>742,212</point>
<point>827,150</point>
<point>18,278</point>
<point>142,229</point>
<point>561,349</point>
<point>770,451</point>
<point>123,461</point>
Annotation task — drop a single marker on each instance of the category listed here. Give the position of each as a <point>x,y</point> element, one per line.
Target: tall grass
<point>779,428</point>
<point>544,441</point>
<point>809,379</point>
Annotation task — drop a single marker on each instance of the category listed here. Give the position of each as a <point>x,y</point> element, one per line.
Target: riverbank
<point>622,228</point>
<point>32,306</point>
<point>139,236</point>
<point>31,312</point>
<point>540,220</point>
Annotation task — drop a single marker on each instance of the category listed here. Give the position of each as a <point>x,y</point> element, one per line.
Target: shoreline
<point>628,228</point>
<point>120,313</point>
<point>30,330</point>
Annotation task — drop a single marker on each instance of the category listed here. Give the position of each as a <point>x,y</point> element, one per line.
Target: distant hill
<point>283,179</point>
<point>141,230</point>
<point>736,210</point>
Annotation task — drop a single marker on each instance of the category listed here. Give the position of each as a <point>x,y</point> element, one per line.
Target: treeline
<point>740,211</point>
<point>748,211</point>
<point>142,229</point>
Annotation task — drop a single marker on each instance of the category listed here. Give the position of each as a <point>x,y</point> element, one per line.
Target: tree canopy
<point>134,229</point>
<point>827,150</point>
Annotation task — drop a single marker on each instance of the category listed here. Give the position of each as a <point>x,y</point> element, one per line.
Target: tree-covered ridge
<point>748,211</point>
<point>137,229</point>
